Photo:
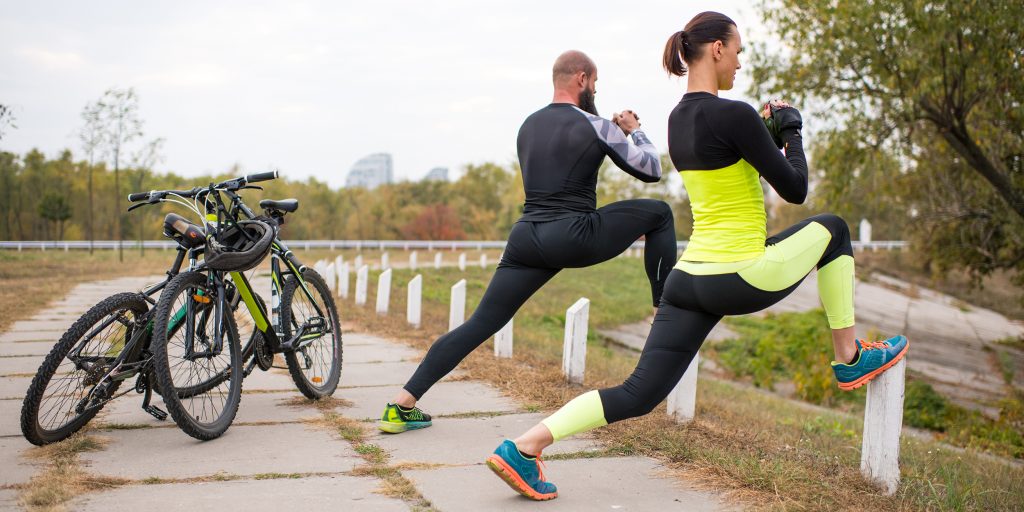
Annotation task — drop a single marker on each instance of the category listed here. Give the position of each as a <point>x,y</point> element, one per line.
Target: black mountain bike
<point>196,343</point>
<point>111,343</point>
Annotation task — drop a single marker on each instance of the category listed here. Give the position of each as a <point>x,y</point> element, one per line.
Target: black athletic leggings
<point>535,252</point>
<point>690,307</point>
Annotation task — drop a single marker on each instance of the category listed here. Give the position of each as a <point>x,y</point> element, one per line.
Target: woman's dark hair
<point>685,46</point>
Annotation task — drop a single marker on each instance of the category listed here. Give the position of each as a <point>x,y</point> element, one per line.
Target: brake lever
<point>254,187</point>
<point>136,205</point>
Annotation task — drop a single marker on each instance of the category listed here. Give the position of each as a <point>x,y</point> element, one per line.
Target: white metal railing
<point>430,245</point>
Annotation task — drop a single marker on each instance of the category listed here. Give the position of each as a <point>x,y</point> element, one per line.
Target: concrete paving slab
<point>443,398</point>
<point>16,470</point>
<point>28,348</point>
<point>339,492</point>
<point>254,407</point>
<point>8,499</point>
<point>14,387</point>
<point>469,440</point>
<point>51,336</point>
<point>10,417</point>
<point>242,450</point>
<point>36,325</point>
<point>378,353</point>
<point>272,380</point>
<point>383,374</point>
<point>19,365</point>
<point>621,483</point>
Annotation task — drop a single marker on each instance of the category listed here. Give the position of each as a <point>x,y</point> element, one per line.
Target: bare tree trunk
<point>89,215</point>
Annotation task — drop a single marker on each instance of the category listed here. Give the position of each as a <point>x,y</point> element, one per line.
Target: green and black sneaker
<point>397,419</point>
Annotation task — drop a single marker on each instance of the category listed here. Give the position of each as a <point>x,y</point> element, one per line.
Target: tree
<point>55,208</point>
<point>143,161</point>
<point>929,91</point>
<point>118,111</point>
<point>6,118</point>
<point>91,138</point>
<point>435,222</point>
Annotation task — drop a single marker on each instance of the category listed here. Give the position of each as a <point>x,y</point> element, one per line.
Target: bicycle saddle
<point>284,205</point>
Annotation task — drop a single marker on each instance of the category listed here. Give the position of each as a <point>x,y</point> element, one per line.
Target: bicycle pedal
<point>157,412</point>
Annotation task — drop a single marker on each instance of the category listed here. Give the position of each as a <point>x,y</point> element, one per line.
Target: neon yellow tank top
<point>729,221</point>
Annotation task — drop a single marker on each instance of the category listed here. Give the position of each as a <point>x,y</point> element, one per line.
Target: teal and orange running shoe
<point>873,358</point>
<point>397,419</point>
<point>522,474</point>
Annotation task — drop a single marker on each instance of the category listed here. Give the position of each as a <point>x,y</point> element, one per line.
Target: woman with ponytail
<point>722,149</point>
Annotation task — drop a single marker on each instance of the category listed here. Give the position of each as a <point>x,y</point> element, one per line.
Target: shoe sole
<point>398,428</point>
<point>850,386</point>
<point>512,478</point>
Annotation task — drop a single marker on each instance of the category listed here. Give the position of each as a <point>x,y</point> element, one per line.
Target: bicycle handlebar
<point>232,184</point>
<point>262,176</point>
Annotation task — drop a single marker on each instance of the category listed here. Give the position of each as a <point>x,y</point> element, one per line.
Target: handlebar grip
<point>262,176</point>
<point>138,196</point>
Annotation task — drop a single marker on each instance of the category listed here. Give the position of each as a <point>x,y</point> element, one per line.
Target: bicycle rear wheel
<point>71,386</point>
<point>204,373</point>
<point>316,366</point>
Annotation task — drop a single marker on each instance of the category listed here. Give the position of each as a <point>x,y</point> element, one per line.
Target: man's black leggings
<point>535,252</point>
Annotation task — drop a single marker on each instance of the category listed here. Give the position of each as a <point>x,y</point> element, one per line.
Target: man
<point>561,147</point>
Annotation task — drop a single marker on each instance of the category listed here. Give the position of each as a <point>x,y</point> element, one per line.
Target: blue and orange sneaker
<point>522,474</point>
<point>397,419</point>
<point>873,358</point>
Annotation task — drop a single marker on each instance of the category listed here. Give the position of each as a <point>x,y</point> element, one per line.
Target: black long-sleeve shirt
<point>721,148</point>
<point>560,151</point>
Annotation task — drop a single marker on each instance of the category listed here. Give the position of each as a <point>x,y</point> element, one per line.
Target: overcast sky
<point>310,87</point>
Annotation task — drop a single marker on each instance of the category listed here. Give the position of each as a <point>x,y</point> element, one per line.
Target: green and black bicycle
<point>196,350</point>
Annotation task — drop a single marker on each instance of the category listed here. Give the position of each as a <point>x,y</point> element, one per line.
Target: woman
<point>721,148</point>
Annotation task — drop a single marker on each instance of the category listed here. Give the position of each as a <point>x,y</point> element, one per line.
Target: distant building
<point>437,174</point>
<point>371,171</point>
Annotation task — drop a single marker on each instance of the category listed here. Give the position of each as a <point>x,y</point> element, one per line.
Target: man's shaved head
<point>570,63</point>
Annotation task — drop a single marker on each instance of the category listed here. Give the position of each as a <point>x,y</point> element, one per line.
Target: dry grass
<point>63,478</point>
<point>31,280</point>
<point>393,484</point>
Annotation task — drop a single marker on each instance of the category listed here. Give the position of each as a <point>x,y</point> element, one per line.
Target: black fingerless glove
<point>782,123</point>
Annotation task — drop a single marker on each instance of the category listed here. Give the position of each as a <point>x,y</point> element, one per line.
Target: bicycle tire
<point>31,424</point>
<point>304,383</point>
<point>179,403</point>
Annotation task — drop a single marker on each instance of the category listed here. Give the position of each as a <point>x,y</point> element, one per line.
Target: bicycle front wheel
<point>199,374</point>
<point>316,365</point>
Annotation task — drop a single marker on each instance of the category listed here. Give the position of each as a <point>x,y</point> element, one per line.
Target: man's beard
<point>586,100</point>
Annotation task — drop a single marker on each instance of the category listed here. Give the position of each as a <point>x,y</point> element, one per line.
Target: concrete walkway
<point>280,452</point>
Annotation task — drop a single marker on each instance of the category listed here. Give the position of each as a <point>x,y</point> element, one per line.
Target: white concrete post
<point>412,261</point>
<point>503,341</point>
<point>437,260</point>
<point>343,280</point>
<point>462,261</point>
<point>362,275</point>
<point>385,262</point>
<point>383,292</point>
<point>865,231</point>
<point>337,263</point>
<point>883,421</point>
<point>574,351</point>
<point>413,311</point>
<point>682,401</point>
<point>331,278</point>
<point>457,312</point>
<point>359,261</point>
<point>483,261</point>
